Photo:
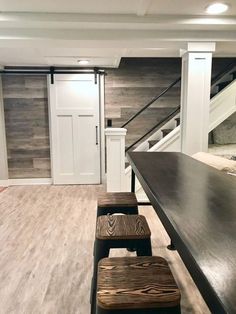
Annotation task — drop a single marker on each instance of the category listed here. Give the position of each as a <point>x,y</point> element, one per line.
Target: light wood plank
<point>46,238</point>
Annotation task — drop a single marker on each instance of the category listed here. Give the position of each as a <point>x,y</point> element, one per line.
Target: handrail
<point>173,113</point>
<point>151,102</point>
<point>225,71</point>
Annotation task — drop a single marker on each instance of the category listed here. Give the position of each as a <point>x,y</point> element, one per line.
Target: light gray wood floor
<point>46,240</point>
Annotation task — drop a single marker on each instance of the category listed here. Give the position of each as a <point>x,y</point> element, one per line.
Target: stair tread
<point>127,164</point>
<point>177,121</point>
<point>234,75</point>
<point>222,85</point>
<point>152,143</point>
<point>167,130</point>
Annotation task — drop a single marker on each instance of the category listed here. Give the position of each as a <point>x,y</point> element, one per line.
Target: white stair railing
<point>222,106</point>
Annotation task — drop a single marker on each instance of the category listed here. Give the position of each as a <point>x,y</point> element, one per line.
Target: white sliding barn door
<point>75,129</point>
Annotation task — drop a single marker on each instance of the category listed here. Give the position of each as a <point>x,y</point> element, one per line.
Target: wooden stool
<point>117,202</point>
<point>119,231</point>
<point>136,285</point>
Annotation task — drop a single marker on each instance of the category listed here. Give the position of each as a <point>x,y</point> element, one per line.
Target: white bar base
<point>115,143</point>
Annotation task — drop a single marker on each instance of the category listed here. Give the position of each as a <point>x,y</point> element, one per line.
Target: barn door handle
<point>96,135</point>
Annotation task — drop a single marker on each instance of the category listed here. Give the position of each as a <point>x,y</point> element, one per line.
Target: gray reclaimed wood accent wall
<point>127,89</point>
<point>133,85</point>
<point>139,80</point>
<point>27,129</point>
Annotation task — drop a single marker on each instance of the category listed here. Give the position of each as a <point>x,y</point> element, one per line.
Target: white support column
<point>115,159</point>
<point>3,147</point>
<point>195,97</point>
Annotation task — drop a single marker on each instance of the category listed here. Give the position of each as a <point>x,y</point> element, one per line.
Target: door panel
<point>65,151</point>
<point>88,164</point>
<point>74,107</point>
<point>81,93</point>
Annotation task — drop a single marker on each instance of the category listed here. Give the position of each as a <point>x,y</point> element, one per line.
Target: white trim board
<point>4,183</point>
<point>102,126</point>
<point>30,181</point>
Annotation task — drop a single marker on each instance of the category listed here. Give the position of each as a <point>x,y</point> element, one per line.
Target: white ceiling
<point>181,7</point>
<point>53,32</point>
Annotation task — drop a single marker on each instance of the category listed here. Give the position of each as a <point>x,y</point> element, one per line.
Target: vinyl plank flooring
<point>46,238</point>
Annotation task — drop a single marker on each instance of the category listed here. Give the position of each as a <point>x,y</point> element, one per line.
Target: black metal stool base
<point>175,310</point>
<point>171,246</point>
<point>102,211</point>
<point>131,249</point>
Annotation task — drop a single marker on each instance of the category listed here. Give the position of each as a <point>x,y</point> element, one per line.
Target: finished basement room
<point>117,157</point>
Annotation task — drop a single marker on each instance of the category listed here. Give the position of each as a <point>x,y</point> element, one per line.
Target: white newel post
<point>195,96</point>
<point>115,159</point>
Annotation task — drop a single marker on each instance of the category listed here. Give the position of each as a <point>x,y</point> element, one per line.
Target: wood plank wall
<point>136,82</point>
<point>127,89</point>
<point>27,130</point>
<point>133,85</point>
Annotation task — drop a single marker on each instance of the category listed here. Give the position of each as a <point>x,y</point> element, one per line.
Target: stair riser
<point>152,143</point>
<point>177,121</point>
<point>233,75</point>
<point>222,85</point>
<point>166,132</point>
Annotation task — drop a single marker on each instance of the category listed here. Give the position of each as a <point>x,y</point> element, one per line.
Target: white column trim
<point>115,152</point>
<point>115,131</point>
<point>198,47</point>
<point>195,97</point>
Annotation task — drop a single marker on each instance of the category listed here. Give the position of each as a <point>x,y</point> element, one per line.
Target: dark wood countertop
<point>197,205</point>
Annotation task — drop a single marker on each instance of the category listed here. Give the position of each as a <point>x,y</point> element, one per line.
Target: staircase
<point>139,126</point>
<point>165,135</point>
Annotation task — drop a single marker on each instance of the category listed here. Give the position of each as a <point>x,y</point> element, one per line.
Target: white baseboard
<point>31,181</point>
<point>231,173</point>
<point>143,200</point>
<point>4,183</point>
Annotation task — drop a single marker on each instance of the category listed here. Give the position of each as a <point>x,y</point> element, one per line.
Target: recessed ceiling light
<point>83,62</point>
<point>217,8</point>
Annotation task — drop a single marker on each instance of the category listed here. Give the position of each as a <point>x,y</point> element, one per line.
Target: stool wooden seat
<point>117,202</point>
<point>118,227</point>
<point>119,231</point>
<point>136,285</point>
